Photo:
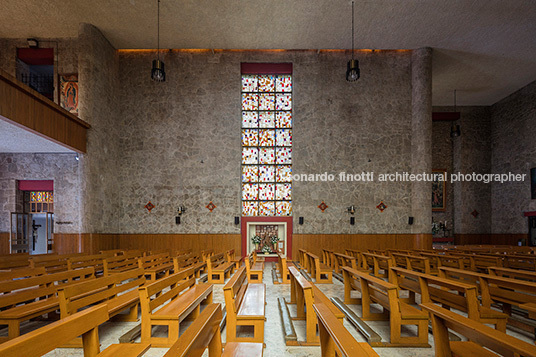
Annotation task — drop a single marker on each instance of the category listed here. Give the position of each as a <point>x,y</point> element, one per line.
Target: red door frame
<point>244,232</point>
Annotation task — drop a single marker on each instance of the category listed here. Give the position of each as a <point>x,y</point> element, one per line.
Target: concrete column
<point>421,141</point>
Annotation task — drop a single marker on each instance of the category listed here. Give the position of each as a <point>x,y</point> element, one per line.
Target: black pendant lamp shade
<point>158,72</point>
<point>352,71</point>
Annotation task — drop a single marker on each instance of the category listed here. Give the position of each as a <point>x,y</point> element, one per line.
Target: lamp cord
<point>352,29</point>
<point>158,31</point>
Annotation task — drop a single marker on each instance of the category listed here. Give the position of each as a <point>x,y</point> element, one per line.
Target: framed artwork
<point>68,87</point>
<point>439,193</point>
<point>533,183</point>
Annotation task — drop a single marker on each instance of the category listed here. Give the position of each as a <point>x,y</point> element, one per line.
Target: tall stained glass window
<point>266,144</point>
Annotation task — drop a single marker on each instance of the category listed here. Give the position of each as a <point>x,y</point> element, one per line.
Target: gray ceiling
<point>485,49</point>
<point>15,139</point>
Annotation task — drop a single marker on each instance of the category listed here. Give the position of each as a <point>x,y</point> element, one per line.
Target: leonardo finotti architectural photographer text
<point>409,177</point>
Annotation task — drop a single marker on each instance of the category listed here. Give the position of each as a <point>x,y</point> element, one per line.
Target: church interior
<point>249,178</point>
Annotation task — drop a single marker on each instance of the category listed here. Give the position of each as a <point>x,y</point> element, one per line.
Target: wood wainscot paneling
<point>490,239</point>
<point>91,243</point>
<point>196,242</point>
<point>339,242</point>
<point>23,106</point>
<point>4,242</point>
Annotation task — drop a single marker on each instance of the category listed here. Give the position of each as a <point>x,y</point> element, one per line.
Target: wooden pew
<point>25,299</point>
<point>231,257</point>
<point>335,340</point>
<point>121,263</point>
<point>302,258</point>
<point>322,273</point>
<point>380,263</point>
<point>375,290</point>
<point>304,294</point>
<point>245,305</point>
<point>20,273</point>
<point>479,336</point>
<point>513,273</point>
<point>117,291</point>
<point>155,265</point>
<point>327,257</point>
<point>14,261</point>
<point>505,291</point>
<point>53,263</point>
<point>282,266</point>
<point>343,260</point>
<point>413,262</point>
<point>454,294</point>
<point>56,334</point>
<point>185,298</point>
<point>254,268</point>
<point>519,261</point>
<point>205,333</point>
<point>358,255</point>
<point>94,260</point>
<point>189,261</point>
<point>218,269</point>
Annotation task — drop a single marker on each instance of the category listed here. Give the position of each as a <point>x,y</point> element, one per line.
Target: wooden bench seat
<point>205,333</point>
<point>120,263</point>
<point>454,294</point>
<point>56,334</point>
<point>95,260</point>
<point>53,263</point>
<point>21,273</point>
<point>231,257</point>
<point>14,261</point>
<point>335,339</point>
<point>156,265</point>
<point>185,299</point>
<point>342,260</point>
<point>482,338</point>
<point>254,268</point>
<point>245,305</point>
<point>188,261</point>
<point>323,274</point>
<point>118,291</point>
<point>414,262</point>
<point>380,264</point>
<point>24,299</point>
<point>513,273</point>
<point>218,269</point>
<point>520,261</point>
<point>377,291</point>
<point>495,289</point>
<point>282,267</point>
<point>358,255</point>
<point>327,257</point>
<point>304,294</point>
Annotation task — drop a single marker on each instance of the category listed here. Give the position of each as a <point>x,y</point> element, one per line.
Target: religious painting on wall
<point>68,86</point>
<point>438,191</point>
<point>533,183</point>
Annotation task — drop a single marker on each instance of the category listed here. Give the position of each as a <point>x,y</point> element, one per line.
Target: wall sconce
<point>351,209</point>
<point>180,211</point>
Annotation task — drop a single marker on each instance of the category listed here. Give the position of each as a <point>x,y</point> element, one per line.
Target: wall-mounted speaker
<point>410,221</point>
<point>237,220</point>
<point>178,220</point>
<point>300,220</point>
<point>352,220</point>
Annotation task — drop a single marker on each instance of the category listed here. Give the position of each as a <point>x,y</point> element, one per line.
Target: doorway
<point>32,226</point>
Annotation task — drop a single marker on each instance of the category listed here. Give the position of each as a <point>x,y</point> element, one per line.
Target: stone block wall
<point>180,140</point>
<point>513,129</point>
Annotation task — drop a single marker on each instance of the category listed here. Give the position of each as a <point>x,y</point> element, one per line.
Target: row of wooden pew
<point>455,280</point>
<point>165,299</point>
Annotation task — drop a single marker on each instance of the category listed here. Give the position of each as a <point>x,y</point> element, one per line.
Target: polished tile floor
<point>275,343</point>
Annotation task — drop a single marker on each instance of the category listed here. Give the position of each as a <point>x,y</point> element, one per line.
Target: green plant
<point>274,239</point>
<point>256,240</point>
<point>266,249</point>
